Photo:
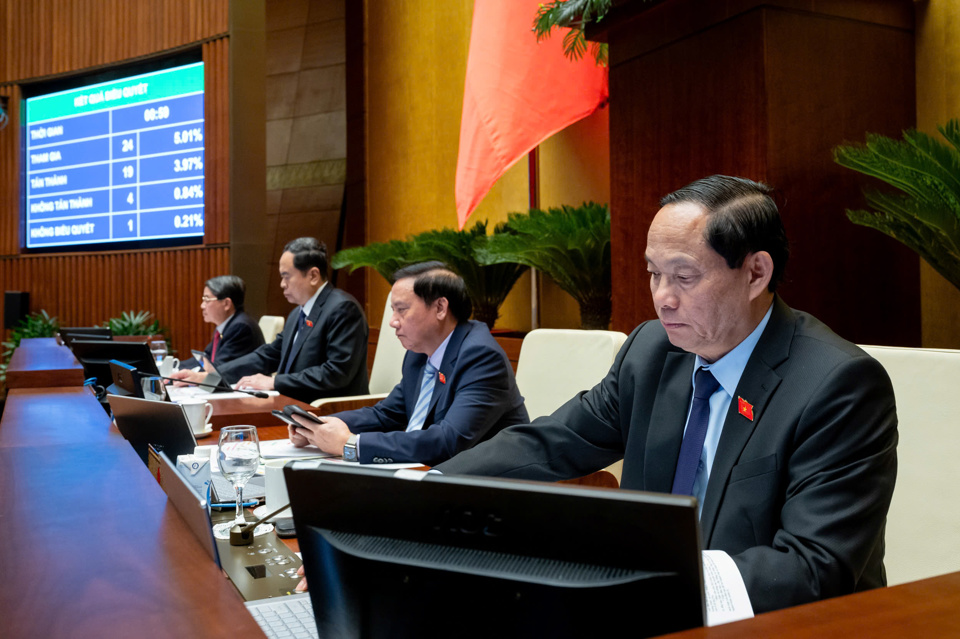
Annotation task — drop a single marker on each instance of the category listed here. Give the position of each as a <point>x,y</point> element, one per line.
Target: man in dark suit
<point>785,432</point>
<point>236,333</point>
<point>457,388</point>
<point>322,350</point>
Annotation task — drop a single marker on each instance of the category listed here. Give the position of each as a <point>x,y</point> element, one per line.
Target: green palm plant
<point>487,284</point>
<point>383,257</point>
<point>575,14</point>
<point>135,323</point>
<point>926,215</point>
<point>571,245</point>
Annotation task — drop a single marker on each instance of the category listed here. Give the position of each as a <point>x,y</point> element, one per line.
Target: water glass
<point>159,350</point>
<point>239,458</point>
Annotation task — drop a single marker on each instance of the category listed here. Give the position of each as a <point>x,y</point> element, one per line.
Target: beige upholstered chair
<point>270,326</point>
<point>556,364</point>
<point>386,372</point>
<point>923,527</point>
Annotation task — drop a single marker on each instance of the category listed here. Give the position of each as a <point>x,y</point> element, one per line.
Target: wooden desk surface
<point>90,547</point>
<point>250,410</point>
<point>39,362</point>
<point>927,608</point>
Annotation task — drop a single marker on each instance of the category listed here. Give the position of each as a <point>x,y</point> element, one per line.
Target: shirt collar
<point>437,358</point>
<point>308,307</point>
<point>223,325</point>
<point>729,368</point>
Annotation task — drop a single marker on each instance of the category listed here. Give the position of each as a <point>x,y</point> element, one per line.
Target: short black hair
<point>307,253</point>
<point>434,280</point>
<point>224,286</point>
<point>744,219</point>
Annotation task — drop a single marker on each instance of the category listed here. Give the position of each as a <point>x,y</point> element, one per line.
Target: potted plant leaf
<point>383,257</point>
<point>487,284</point>
<point>925,215</point>
<point>571,245</point>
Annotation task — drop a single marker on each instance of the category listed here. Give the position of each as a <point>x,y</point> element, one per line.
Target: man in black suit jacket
<point>473,393</point>
<point>236,333</point>
<point>322,350</point>
<point>798,463</point>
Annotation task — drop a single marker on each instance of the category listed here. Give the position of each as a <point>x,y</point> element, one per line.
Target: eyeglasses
<point>207,300</point>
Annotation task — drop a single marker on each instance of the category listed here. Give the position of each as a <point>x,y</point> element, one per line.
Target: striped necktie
<point>423,399</point>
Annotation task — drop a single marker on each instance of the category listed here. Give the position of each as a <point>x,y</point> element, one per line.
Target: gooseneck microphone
<point>256,393</point>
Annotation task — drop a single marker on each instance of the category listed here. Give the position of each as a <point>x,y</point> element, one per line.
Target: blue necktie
<point>705,386</point>
<point>423,399</point>
<point>300,324</point>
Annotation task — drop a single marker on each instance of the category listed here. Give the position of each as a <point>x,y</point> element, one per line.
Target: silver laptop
<point>165,425</point>
<point>145,421</point>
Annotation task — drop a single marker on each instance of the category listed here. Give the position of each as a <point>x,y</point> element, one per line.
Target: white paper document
<point>396,466</point>
<point>724,590</point>
<point>283,449</point>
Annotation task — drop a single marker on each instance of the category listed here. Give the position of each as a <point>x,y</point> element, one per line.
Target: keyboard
<point>285,617</point>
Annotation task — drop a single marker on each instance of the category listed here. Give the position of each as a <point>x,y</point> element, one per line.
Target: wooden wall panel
<point>765,89</point>
<point>59,36</point>
<point>40,39</point>
<point>9,174</point>
<point>216,71</point>
<point>86,289</point>
<point>667,132</point>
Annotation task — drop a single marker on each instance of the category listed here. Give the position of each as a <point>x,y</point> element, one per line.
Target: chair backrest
<point>388,358</point>
<point>923,526</point>
<point>556,364</point>
<point>270,326</point>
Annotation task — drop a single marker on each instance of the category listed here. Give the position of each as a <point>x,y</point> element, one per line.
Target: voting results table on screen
<point>116,161</point>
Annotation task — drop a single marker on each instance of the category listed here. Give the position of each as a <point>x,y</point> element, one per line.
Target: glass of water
<point>159,350</point>
<point>239,457</point>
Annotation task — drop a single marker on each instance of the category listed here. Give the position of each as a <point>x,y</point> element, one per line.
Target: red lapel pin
<point>309,324</point>
<point>443,380</point>
<point>745,408</point>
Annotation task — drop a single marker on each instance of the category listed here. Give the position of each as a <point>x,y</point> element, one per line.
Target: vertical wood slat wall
<point>87,289</point>
<point>54,37</point>
<point>216,142</point>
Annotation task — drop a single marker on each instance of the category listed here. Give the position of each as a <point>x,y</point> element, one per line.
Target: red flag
<point>745,408</point>
<point>518,92</point>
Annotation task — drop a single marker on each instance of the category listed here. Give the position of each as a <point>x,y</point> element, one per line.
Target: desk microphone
<point>242,534</point>
<point>256,393</point>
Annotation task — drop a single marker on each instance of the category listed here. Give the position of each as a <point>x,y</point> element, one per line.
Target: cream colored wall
<point>938,100</point>
<point>416,61</point>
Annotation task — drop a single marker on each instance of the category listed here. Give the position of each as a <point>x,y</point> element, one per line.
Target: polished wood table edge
<point>113,557</point>
<point>255,411</point>
<point>40,362</point>
<point>926,608</point>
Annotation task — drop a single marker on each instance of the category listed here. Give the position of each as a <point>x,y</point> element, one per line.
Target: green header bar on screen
<point>108,95</point>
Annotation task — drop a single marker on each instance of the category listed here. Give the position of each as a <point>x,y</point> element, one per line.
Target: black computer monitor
<point>477,557</point>
<point>95,356</point>
<point>70,333</point>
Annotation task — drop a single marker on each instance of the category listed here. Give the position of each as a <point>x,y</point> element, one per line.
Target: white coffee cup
<point>198,414</point>
<point>275,487</point>
<point>168,365</point>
